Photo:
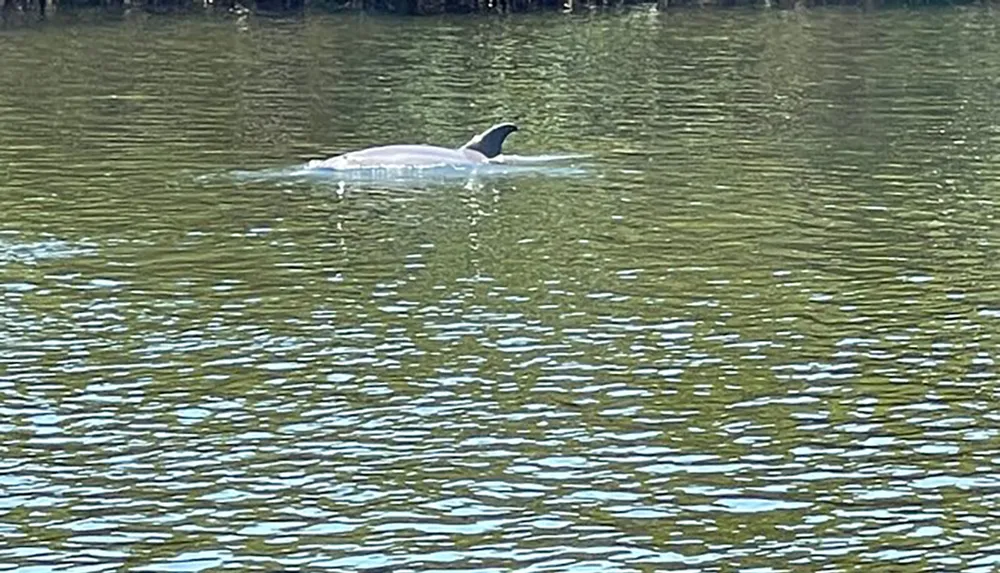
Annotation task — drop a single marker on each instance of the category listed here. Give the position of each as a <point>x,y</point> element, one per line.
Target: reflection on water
<point>758,337</point>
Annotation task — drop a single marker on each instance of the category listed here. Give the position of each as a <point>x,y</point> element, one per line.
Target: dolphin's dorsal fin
<point>490,142</point>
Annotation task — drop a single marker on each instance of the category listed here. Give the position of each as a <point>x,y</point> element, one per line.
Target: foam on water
<point>553,165</point>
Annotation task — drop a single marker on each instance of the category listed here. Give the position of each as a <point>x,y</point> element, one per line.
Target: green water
<point>758,335</point>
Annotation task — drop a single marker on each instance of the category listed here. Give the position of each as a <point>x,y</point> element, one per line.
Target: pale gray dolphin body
<point>480,149</point>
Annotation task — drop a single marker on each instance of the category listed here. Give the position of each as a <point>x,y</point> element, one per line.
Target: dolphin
<point>479,150</point>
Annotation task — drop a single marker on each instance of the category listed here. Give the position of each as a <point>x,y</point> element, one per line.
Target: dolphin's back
<point>402,156</point>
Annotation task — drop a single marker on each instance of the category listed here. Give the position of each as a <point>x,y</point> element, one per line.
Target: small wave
<point>502,166</point>
<point>30,252</point>
<point>539,159</point>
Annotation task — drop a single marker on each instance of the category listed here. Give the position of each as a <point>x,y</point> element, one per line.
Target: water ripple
<point>759,336</point>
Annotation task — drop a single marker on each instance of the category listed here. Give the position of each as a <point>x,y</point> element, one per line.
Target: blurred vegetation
<point>8,7</point>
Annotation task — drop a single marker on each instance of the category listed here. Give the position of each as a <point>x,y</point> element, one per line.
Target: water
<point>758,335</point>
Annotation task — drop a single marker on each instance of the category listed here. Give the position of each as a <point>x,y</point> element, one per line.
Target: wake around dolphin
<point>481,157</point>
<point>479,150</point>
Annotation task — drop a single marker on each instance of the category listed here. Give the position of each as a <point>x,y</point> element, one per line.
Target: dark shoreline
<point>20,9</point>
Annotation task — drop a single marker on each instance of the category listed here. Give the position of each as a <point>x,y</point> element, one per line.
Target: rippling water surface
<point>759,335</point>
